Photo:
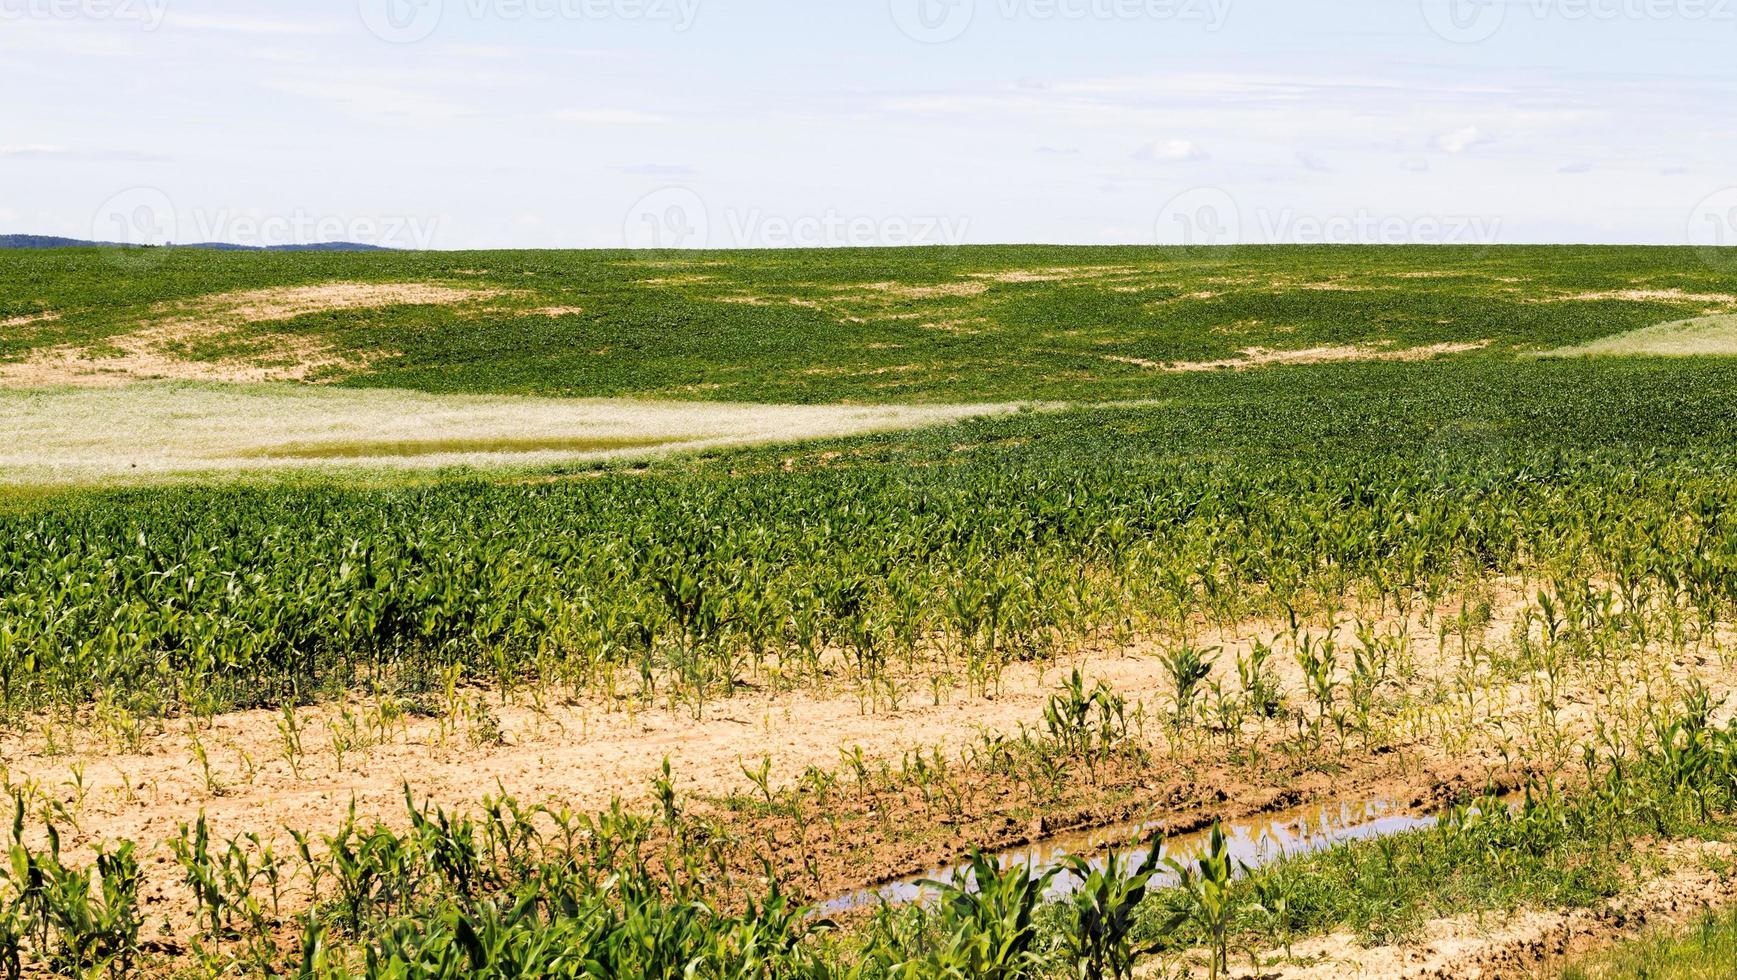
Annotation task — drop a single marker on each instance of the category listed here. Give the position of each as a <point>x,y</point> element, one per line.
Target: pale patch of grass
<point>1701,336</point>
<point>153,430</point>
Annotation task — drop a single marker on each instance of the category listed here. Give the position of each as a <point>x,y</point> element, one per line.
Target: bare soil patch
<point>289,302</point>
<point>29,319</point>
<point>1059,274</point>
<point>1644,296</point>
<point>965,328</point>
<point>1254,357</point>
<point>905,291</point>
<point>585,749</point>
<point>146,355</point>
<point>163,345</point>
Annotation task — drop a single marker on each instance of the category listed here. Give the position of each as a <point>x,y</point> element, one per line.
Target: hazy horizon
<point>457,124</point>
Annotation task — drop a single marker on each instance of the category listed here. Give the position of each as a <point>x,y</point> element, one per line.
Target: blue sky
<point>598,123</point>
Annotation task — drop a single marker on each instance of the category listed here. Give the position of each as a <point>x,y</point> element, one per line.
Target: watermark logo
<point>1200,218</point>
<point>302,227</point>
<point>145,220</point>
<point>409,21</point>
<point>1366,227</point>
<point>669,219</point>
<point>1212,218</point>
<point>135,216</point>
<point>1465,21</point>
<point>677,218</point>
<point>401,21</point>
<point>1713,230</point>
<point>934,21</point>
<point>1471,21</point>
<point>148,14</point>
<point>939,21</point>
<point>138,217</point>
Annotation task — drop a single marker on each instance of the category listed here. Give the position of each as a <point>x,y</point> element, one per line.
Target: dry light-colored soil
<point>1255,357</point>
<point>164,342</point>
<point>584,750</point>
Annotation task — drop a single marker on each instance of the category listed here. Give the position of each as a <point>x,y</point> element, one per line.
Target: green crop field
<point>943,552</point>
<point>967,324</point>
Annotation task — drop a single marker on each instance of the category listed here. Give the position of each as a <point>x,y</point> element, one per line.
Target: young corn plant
<point>1189,667</point>
<point>1098,941</point>
<point>986,918</point>
<point>1212,904</point>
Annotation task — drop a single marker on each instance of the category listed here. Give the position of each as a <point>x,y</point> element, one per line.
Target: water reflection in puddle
<point>1255,841</point>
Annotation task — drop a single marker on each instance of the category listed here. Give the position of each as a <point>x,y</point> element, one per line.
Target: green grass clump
<point>1708,951</point>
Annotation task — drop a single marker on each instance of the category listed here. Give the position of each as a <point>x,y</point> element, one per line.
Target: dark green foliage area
<point>993,539</point>
<point>883,325</point>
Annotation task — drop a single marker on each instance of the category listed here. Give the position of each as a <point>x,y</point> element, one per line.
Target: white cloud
<point>1171,151</point>
<point>250,25</point>
<point>51,151</point>
<point>376,94</point>
<point>658,170</point>
<point>608,117</point>
<point>33,150</point>
<point>1462,139</point>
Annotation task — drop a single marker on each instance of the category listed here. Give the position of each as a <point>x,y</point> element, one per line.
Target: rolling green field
<point>1361,530</point>
<point>969,324</point>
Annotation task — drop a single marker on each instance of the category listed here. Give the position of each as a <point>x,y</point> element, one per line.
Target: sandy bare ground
<point>1644,296</point>
<point>1255,357</point>
<point>157,348</point>
<point>25,321</point>
<point>161,429</point>
<point>583,754</point>
<point>583,751</point>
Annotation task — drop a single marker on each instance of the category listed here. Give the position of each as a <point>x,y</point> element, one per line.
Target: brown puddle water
<point>1256,841</point>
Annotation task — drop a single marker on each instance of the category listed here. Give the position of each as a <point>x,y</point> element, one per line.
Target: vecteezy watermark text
<point>1206,217</point>
<point>300,227</point>
<point>678,218</point>
<point>147,13</point>
<point>1713,230</point>
<point>939,21</point>
<point>148,216</point>
<point>408,21</point>
<point>1471,21</point>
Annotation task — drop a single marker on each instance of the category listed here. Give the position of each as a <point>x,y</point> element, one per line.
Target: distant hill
<point>43,241</point>
<point>51,241</point>
<point>316,247</point>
